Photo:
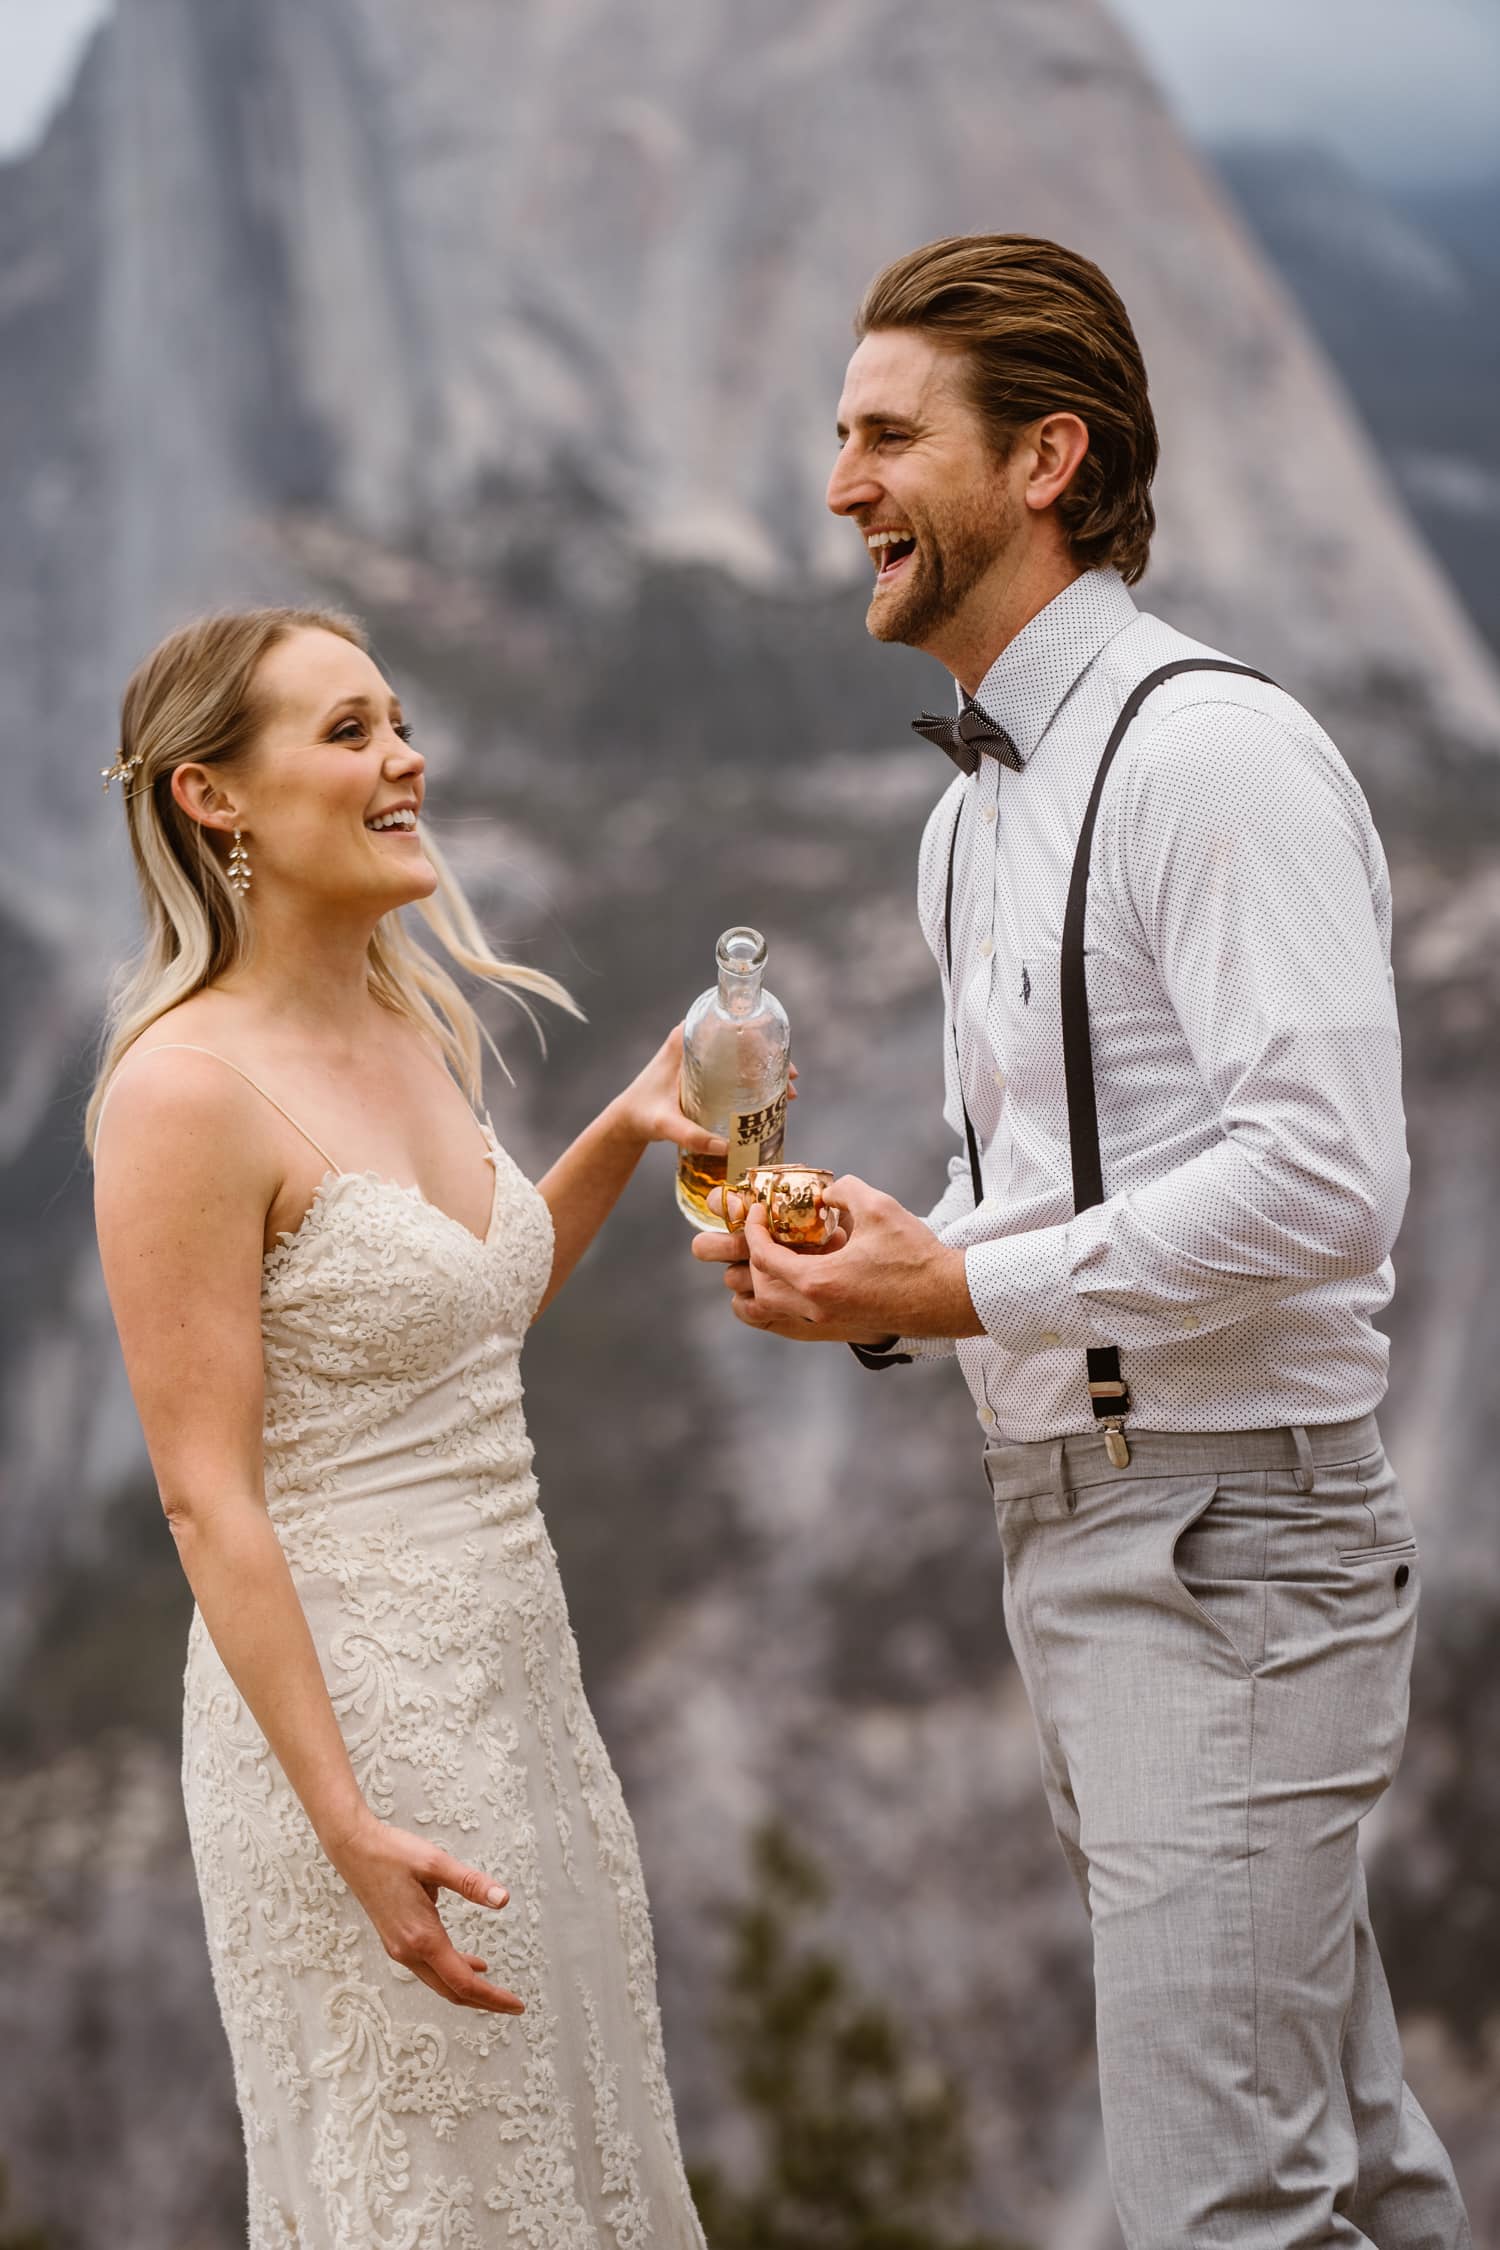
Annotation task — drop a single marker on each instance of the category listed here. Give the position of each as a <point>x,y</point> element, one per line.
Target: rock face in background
<point>520,331</point>
<point>1407,304</point>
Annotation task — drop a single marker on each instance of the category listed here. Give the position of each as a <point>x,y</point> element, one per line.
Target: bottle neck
<point>739,990</point>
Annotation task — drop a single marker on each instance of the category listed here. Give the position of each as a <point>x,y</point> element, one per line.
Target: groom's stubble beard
<point>956,549</point>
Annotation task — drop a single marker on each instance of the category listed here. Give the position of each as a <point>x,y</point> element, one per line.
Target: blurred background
<point>518,329</point>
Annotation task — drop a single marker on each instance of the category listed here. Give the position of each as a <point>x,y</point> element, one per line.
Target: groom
<point>1162,922</point>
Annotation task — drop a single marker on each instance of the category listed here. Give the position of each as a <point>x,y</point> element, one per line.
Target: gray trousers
<point>1216,1642</point>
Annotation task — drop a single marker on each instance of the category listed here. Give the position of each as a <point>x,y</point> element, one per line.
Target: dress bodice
<point>398,1474</point>
<point>392,1332</point>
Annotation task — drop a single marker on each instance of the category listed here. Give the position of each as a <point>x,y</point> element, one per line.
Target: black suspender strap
<point>1109,1393</point>
<point>975,1174</point>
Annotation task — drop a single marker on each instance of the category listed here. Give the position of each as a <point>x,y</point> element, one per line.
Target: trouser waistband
<point>1069,1463</point>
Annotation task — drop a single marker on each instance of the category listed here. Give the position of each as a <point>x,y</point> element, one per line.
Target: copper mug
<point>791,1196</point>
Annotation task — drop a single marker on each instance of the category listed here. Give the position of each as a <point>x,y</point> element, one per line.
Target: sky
<point>1407,90</point>
<point>40,45</point>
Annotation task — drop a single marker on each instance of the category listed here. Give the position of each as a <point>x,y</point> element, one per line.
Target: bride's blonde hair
<point>193,701</point>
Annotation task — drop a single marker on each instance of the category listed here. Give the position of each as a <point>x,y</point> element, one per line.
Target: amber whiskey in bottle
<point>735,1049</point>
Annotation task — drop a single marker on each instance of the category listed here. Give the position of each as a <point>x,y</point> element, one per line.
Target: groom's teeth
<point>880,544</point>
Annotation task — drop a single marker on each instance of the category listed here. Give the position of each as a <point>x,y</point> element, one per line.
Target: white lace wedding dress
<point>398,1475</point>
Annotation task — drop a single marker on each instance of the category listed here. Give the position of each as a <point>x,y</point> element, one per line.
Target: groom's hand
<point>888,1274</point>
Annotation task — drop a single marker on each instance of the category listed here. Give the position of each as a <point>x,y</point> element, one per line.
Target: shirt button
<point>987,815</point>
<point>986,948</point>
<point>999,1077</point>
<point>1050,1336</point>
<point>987,1416</point>
<point>1190,1320</point>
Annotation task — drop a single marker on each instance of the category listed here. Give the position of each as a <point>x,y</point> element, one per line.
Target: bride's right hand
<point>396,1877</point>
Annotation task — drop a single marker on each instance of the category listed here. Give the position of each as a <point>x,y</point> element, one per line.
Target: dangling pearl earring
<point>239,867</point>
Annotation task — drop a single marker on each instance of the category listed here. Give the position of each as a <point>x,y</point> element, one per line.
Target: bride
<point>322,1265</point>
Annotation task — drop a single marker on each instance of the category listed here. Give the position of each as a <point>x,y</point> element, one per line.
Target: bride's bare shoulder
<point>181,1126</point>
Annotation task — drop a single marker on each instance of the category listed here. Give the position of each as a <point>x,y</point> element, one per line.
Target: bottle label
<point>755,1137</point>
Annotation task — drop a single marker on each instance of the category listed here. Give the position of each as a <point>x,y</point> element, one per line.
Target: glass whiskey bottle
<point>736,1044</point>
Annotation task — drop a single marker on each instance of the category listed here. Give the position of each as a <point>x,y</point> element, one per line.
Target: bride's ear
<point>197,792</point>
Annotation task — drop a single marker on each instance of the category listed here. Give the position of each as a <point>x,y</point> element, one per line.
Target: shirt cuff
<point>902,1350</point>
<point>1023,1292</point>
<point>881,1355</point>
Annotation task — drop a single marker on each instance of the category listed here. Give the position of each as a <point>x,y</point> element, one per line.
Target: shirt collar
<point>1025,686</point>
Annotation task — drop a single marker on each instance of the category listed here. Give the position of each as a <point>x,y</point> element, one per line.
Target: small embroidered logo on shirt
<point>1025,985</point>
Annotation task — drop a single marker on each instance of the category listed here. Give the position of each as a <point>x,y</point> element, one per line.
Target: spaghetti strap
<point>185,1047</point>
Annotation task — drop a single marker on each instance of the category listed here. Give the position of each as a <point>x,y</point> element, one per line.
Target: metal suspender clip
<point>1116,1444</point>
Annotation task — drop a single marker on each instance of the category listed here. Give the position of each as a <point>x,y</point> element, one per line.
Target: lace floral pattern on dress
<point>399,1478</point>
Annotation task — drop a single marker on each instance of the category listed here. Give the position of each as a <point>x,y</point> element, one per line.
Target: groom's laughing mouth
<point>891,550</point>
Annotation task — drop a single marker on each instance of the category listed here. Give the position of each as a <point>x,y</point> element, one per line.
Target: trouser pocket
<point>1391,1550</point>
<point>1219,1563</point>
<point>1267,1565</point>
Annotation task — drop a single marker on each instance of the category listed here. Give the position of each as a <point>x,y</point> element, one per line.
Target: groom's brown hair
<point>1041,331</point>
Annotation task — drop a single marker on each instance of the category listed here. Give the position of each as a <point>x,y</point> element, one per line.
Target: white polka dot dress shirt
<point>1246,1052</point>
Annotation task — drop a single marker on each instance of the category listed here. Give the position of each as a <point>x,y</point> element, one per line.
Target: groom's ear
<point>1058,444</point>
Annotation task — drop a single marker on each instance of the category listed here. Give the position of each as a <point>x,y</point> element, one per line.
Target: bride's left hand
<point>651,1108</point>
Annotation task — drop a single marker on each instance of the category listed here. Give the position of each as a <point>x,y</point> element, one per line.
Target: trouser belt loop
<point>1061,1483</point>
<point>1302,1445</point>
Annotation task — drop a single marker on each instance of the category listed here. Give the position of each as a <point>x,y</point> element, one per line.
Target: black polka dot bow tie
<point>970,736</point>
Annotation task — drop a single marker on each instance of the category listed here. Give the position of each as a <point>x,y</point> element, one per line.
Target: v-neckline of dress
<point>291,1237</point>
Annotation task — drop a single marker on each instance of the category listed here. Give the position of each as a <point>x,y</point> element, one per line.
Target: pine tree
<point>861,2146</point>
<point>13,2237</point>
